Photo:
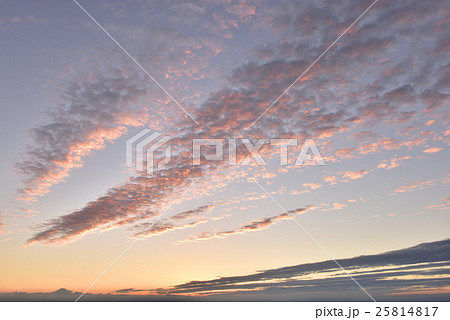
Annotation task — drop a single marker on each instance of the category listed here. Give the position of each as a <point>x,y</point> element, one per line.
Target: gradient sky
<point>377,106</point>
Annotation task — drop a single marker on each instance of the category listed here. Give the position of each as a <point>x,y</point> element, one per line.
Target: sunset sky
<point>376,105</point>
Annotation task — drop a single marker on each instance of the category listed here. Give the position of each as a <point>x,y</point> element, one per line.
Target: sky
<point>375,102</point>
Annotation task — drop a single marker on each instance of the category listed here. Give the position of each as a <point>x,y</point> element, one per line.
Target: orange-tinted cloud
<point>416,186</point>
<point>432,150</point>
<point>312,185</point>
<point>354,175</point>
<point>90,114</point>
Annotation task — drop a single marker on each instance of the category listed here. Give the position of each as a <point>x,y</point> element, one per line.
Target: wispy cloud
<point>416,186</point>
<point>255,225</point>
<point>182,220</point>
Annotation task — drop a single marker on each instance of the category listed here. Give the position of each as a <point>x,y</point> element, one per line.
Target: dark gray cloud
<point>390,275</point>
<point>418,273</point>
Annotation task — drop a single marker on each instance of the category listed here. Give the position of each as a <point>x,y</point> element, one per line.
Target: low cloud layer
<point>419,273</point>
<point>400,274</point>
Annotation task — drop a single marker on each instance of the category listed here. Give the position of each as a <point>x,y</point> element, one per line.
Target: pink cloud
<point>338,205</point>
<point>432,150</point>
<point>84,122</point>
<point>330,179</point>
<point>312,185</point>
<point>268,175</point>
<point>345,153</point>
<point>354,175</point>
<point>416,186</point>
<point>394,163</point>
<point>333,98</point>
